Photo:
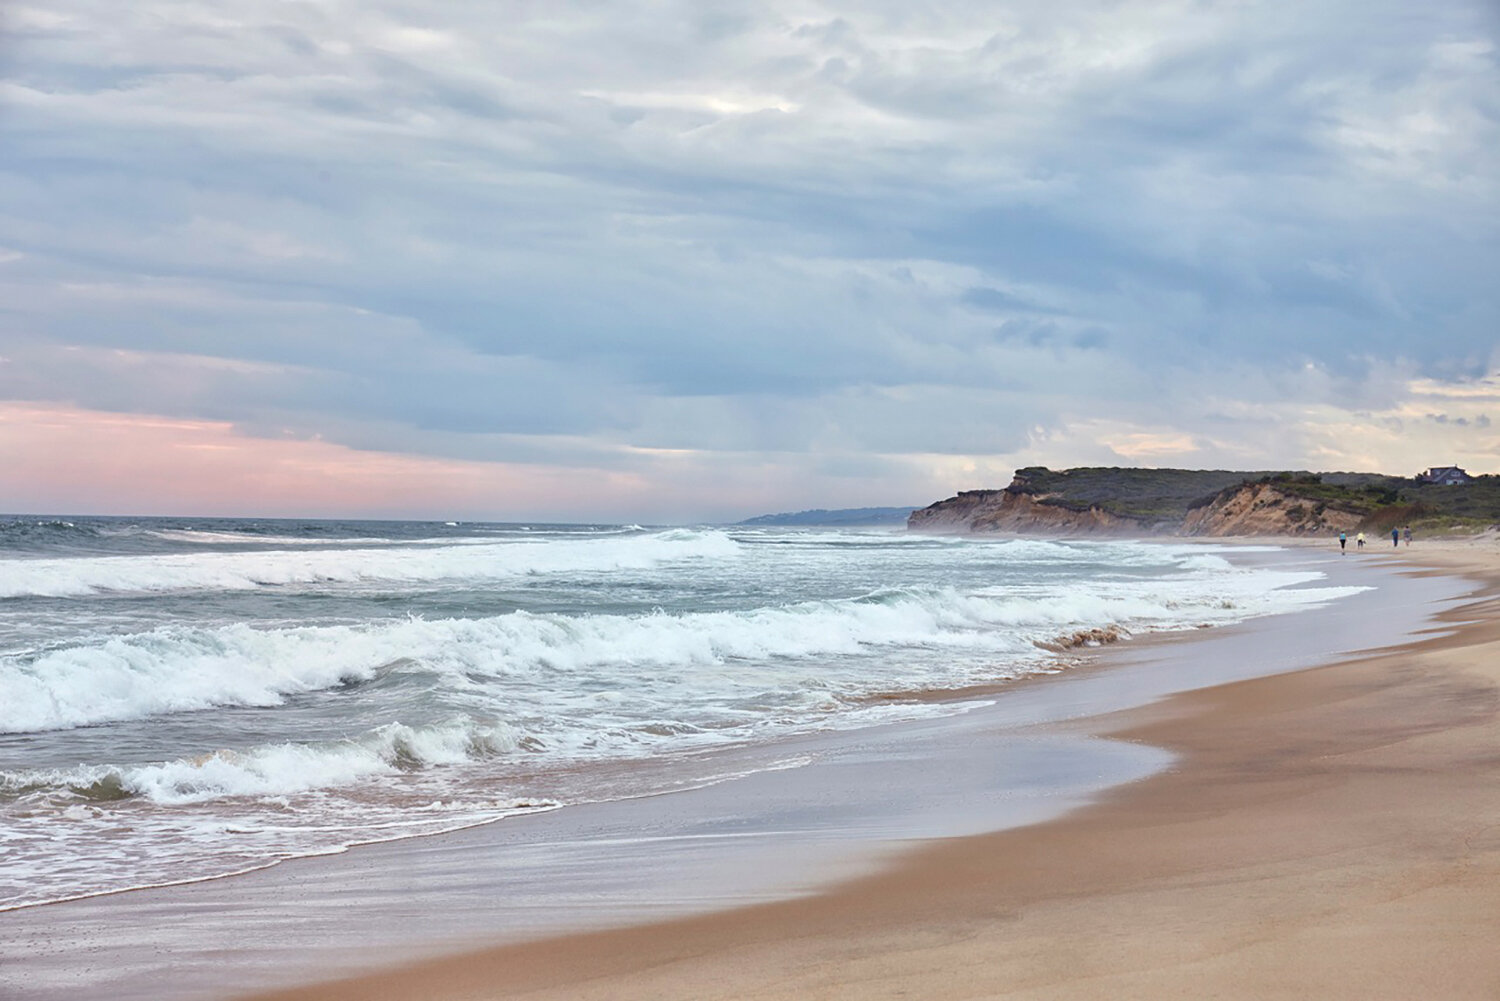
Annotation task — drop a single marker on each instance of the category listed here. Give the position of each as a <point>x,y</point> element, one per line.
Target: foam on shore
<point>839,802</point>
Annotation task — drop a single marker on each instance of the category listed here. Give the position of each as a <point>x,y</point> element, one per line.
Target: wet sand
<point>1330,833</point>
<point>862,864</point>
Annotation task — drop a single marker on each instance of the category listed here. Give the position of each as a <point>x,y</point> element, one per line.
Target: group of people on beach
<point>1397,534</point>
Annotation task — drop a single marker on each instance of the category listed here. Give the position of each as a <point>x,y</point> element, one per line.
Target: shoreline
<point>1060,729</point>
<point>1268,861</point>
<point>172,808</point>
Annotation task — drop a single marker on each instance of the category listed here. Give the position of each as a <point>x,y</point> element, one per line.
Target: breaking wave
<point>282,769</point>
<point>703,661</point>
<point>237,571</point>
<point>208,537</point>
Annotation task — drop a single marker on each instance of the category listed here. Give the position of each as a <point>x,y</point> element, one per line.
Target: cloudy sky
<point>679,261</point>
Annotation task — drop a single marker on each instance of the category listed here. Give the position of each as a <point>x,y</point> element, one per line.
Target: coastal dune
<point>1330,833</point>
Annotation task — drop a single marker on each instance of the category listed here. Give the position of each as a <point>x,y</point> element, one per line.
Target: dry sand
<point>1328,834</point>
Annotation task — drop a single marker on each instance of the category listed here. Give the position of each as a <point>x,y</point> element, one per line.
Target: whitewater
<point>183,699</point>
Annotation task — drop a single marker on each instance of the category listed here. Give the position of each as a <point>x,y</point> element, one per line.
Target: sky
<point>696,261</point>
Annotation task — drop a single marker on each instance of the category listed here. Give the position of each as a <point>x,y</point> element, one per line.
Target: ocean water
<point>187,698</point>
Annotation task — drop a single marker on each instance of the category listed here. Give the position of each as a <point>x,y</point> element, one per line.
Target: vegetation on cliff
<point>1385,502</point>
<point>1213,502</point>
<point>1149,496</point>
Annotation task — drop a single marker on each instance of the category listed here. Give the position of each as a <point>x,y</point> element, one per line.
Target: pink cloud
<point>60,459</point>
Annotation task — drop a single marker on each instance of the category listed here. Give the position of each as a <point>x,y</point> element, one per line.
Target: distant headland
<point>1216,502</point>
<point>848,516</point>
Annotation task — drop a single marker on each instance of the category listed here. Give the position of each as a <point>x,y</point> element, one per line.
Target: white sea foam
<point>207,537</point>
<point>759,634</point>
<point>405,564</point>
<point>663,657</point>
<point>280,769</point>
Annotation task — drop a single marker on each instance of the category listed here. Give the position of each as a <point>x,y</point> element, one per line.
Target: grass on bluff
<point>1363,495</point>
<point>1166,495</point>
<point>1149,495</point>
<point>1392,501</point>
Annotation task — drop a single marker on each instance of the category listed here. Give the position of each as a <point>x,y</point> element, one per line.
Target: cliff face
<point>1146,502</point>
<point>956,515</point>
<point>1263,509</point>
<point>1024,513</point>
<point>1014,509</point>
<point>1114,500</point>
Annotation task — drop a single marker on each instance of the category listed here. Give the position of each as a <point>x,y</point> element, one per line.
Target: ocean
<point>182,699</point>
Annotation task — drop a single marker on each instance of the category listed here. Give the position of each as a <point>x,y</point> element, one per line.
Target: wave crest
<point>270,770</point>
<point>703,657</point>
<point>238,571</point>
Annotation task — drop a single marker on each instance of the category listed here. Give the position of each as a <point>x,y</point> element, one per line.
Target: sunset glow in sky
<point>699,261</point>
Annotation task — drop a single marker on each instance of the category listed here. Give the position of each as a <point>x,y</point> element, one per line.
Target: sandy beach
<point>1298,805</point>
<point>1328,833</point>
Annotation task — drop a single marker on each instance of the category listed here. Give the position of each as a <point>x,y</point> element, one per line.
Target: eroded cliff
<point>1021,510</point>
<point>1266,509</point>
<point>1136,502</point>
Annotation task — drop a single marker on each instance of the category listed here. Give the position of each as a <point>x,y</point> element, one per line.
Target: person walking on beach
<point>1407,532</point>
<point>1359,540</point>
<point>1343,542</point>
<point>1395,536</point>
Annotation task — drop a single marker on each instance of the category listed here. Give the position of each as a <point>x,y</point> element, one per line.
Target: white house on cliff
<point>1447,476</point>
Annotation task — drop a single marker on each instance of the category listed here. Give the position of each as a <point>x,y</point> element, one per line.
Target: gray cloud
<point>742,227</point>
